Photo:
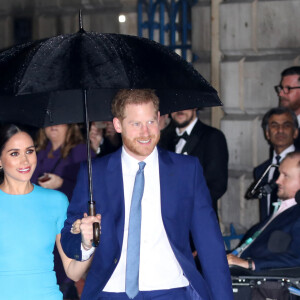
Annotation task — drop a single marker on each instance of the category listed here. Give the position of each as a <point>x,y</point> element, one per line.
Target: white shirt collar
<point>131,163</point>
<point>283,154</point>
<point>188,130</point>
<point>285,204</point>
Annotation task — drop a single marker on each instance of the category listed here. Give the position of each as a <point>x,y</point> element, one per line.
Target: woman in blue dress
<point>31,218</point>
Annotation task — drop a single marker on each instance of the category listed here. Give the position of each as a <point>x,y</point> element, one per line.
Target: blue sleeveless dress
<point>28,227</point>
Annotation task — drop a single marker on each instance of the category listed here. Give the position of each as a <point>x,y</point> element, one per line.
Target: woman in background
<point>30,224</point>
<point>60,150</point>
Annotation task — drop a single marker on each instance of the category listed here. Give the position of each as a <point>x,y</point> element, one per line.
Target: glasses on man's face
<point>285,89</point>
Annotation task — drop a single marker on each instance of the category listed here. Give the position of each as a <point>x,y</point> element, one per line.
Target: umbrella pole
<point>92,208</point>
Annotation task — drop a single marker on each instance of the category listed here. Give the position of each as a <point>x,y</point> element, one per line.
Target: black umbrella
<point>55,71</point>
<point>72,79</point>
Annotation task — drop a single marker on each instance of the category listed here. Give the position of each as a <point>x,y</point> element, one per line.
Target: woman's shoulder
<point>50,194</point>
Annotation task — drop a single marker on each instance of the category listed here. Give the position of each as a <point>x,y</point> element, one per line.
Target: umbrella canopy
<point>73,78</point>
<point>48,77</point>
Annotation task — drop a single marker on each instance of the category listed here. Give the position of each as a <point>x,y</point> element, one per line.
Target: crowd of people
<point>157,183</point>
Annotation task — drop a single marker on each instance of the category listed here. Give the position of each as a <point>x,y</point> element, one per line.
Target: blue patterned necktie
<point>134,235</point>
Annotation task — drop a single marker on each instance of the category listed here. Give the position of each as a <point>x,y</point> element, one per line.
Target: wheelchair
<point>271,284</point>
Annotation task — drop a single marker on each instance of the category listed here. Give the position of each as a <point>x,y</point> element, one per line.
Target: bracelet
<point>250,264</point>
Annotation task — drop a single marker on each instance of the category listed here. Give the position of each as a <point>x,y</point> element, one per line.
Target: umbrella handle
<point>96,226</point>
<point>96,234</point>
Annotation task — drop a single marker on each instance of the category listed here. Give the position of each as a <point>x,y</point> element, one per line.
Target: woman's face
<point>57,133</point>
<point>18,158</point>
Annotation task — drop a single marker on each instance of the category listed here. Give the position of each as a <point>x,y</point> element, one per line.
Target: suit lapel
<point>193,139</point>
<point>266,165</point>
<point>114,179</point>
<point>167,185</point>
<point>190,144</point>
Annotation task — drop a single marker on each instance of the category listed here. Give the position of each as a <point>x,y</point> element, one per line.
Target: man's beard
<point>134,147</point>
<point>183,124</point>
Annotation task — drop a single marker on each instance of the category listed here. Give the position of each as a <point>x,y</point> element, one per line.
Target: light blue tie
<point>276,206</point>
<point>134,235</point>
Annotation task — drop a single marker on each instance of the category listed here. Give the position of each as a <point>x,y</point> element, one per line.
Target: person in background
<point>275,242</point>
<point>60,150</point>
<point>186,134</point>
<point>280,127</point>
<point>164,121</point>
<point>104,139</point>
<point>30,224</point>
<point>288,92</point>
<point>150,200</point>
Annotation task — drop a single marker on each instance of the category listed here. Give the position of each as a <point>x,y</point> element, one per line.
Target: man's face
<point>183,118</point>
<point>292,99</point>
<point>281,131</point>
<point>139,129</point>
<point>289,178</point>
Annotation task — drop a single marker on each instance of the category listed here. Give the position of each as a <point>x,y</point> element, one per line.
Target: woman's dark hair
<point>6,132</point>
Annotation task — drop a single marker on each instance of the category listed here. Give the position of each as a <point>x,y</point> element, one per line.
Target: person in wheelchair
<point>275,242</point>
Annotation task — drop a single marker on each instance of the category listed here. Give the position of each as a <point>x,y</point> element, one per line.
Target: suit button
<point>76,256</point>
<point>115,260</point>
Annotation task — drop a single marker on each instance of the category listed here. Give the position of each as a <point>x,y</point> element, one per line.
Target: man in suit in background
<point>288,92</point>
<point>275,242</point>
<point>186,134</point>
<point>160,195</point>
<point>280,127</point>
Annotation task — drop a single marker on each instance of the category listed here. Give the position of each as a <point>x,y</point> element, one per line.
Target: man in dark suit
<point>288,92</point>
<point>169,197</point>
<point>275,243</point>
<point>280,127</point>
<point>186,134</point>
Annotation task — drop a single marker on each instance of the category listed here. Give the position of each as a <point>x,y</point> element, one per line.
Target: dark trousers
<point>172,294</point>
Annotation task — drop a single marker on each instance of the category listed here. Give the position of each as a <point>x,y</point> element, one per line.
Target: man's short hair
<point>292,155</point>
<point>132,96</point>
<point>291,71</point>
<point>278,111</point>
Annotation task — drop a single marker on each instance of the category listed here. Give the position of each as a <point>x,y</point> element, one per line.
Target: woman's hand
<point>75,229</point>
<point>55,182</point>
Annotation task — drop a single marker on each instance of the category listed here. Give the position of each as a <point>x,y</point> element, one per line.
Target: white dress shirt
<point>159,269</point>
<point>182,142</point>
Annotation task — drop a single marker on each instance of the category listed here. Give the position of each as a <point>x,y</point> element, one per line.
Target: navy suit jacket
<point>278,245</point>
<point>185,206</point>
<point>209,145</point>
